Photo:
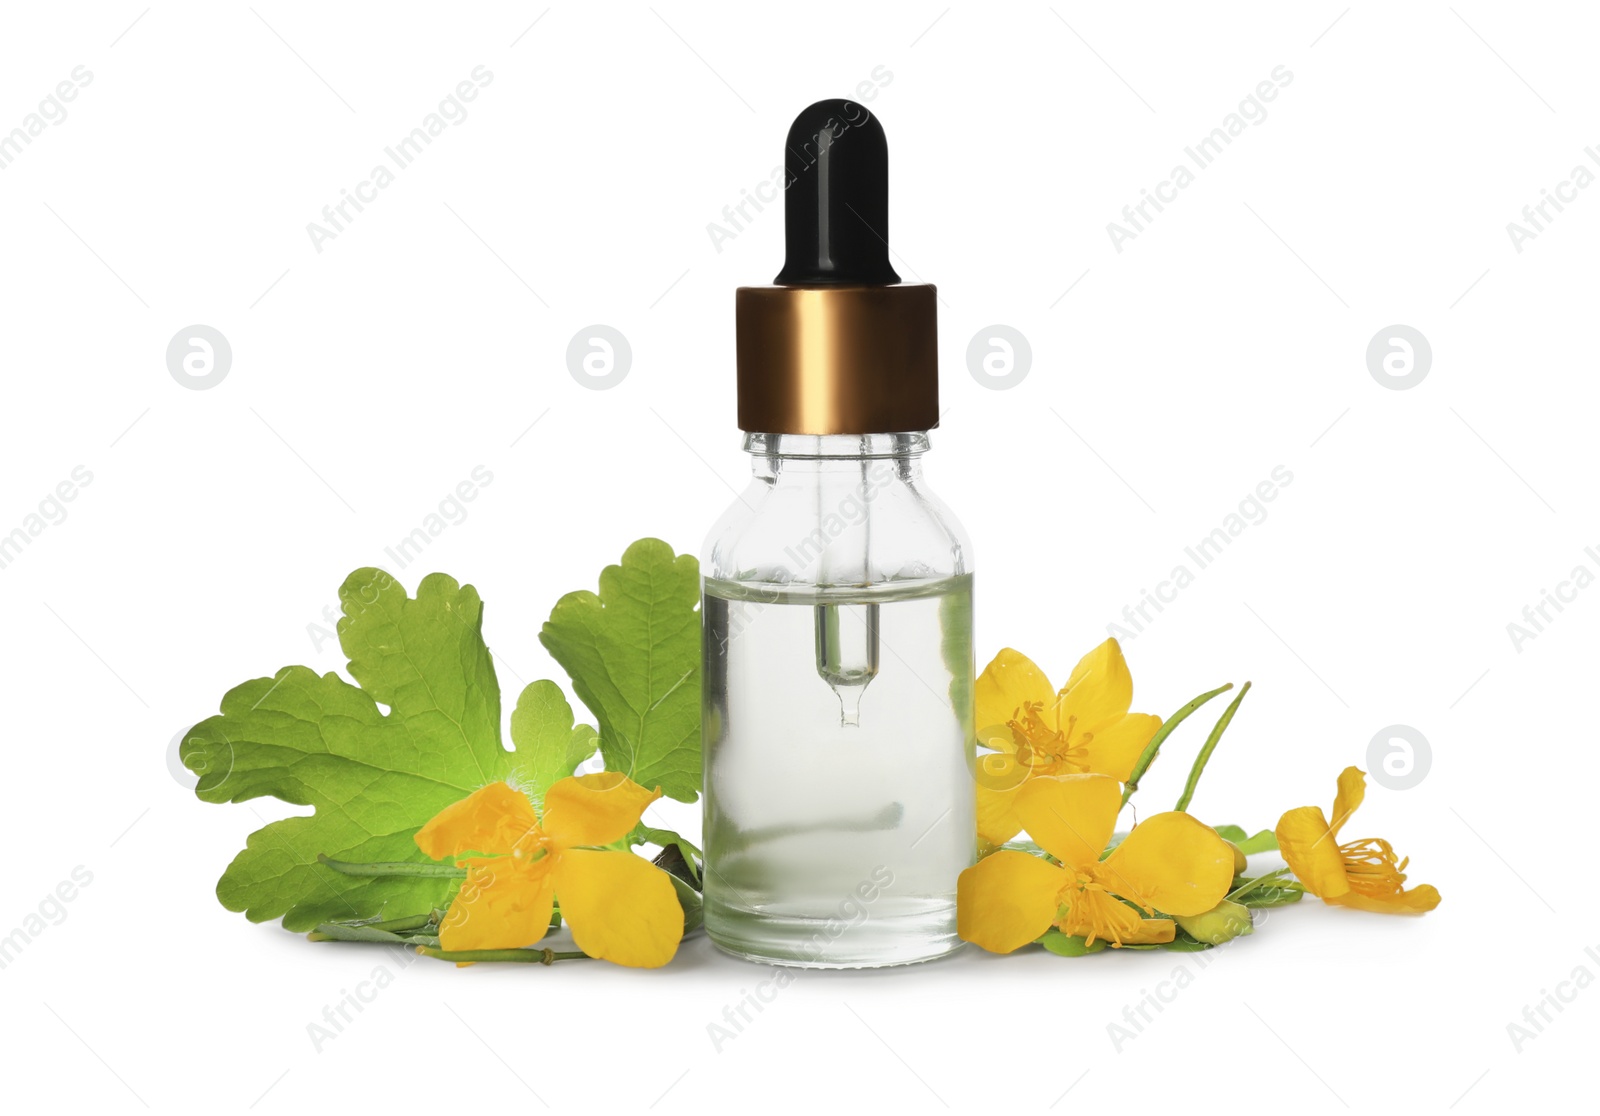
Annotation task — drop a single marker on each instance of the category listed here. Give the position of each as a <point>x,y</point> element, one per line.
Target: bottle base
<point>831,943</point>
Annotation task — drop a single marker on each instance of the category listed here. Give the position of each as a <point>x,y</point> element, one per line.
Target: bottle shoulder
<point>880,523</point>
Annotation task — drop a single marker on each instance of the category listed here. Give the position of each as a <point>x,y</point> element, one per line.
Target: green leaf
<point>549,745</point>
<point>1264,841</point>
<point>1273,896</point>
<point>372,776</point>
<point>633,652</point>
<point>691,902</point>
<point>669,839</point>
<point>1245,885</point>
<point>1069,945</point>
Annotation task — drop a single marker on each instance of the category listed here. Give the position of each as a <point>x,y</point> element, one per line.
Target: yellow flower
<point>1086,727</point>
<point>1364,874</point>
<point>619,906</point>
<point>1170,863</point>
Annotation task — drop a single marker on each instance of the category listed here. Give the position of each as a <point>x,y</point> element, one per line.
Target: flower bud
<point>1222,923</point>
<point>1240,861</point>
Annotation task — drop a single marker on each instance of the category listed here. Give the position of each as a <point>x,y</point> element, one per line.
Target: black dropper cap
<point>838,345</point>
<point>836,206</point>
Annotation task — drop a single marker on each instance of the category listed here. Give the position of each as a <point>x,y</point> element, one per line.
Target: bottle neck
<point>845,449</point>
<point>829,461</point>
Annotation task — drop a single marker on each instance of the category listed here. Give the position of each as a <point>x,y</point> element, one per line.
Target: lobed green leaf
<point>633,653</point>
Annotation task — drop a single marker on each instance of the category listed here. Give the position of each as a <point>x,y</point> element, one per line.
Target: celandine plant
<point>427,832</point>
<point>1064,763</point>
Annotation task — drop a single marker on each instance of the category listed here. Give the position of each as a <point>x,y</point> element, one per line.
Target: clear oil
<point>839,794</point>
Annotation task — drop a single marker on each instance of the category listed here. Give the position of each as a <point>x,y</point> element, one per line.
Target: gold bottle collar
<point>838,359</point>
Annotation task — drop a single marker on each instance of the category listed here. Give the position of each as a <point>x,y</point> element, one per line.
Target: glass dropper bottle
<point>837,725</point>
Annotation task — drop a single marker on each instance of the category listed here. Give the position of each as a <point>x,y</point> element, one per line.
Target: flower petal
<point>1174,862</point>
<point>1352,789</point>
<point>1071,816</point>
<point>999,778</point>
<point>593,809</point>
<point>1115,747</point>
<point>620,907</point>
<point>503,904</point>
<point>1310,849</point>
<point>489,820</point>
<point>1414,900</point>
<point>1100,689</point>
<point>1010,681</point>
<point>1007,900</point>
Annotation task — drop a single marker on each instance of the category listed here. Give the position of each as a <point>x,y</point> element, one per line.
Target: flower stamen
<point>1037,742</point>
<point>1373,868</point>
<point>1039,745</point>
<point>1088,909</point>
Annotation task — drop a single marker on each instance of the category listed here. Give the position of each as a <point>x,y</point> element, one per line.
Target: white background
<point>1227,339</point>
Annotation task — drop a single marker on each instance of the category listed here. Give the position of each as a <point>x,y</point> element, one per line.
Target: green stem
<point>1147,757</point>
<point>1204,757</point>
<point>390,868</point>
<point>526,956</point>
<point>348,932</point>
<point>1274,877</point>
<point>415,922</point>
